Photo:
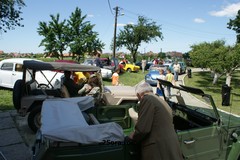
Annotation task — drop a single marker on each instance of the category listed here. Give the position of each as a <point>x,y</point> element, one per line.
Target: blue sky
<point>183,22</point>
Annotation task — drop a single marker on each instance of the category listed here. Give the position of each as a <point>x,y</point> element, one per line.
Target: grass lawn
<point>203,80</point>
<point>129,79</point>
<point>6,99</point>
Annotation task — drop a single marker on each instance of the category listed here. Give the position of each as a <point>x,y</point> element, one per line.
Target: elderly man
<point>154,128</point>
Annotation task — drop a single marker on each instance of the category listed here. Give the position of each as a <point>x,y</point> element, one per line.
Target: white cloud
<point>227,11</point>
<point>90,15</point>
<point>121,24</point>
<point>199,20</point>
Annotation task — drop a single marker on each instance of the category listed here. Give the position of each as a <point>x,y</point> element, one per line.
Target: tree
<point>10,11</point>
<point>234,24</point>
<point>83,38</point>
<point>132,36</point>
<point>216,56</point>
<point>73,33</point>
<point>56,36</point>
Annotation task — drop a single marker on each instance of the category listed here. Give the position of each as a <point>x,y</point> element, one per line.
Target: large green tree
<point>132,35</point>
<point>74,33</point>
<point>10,14</point>
<point>234,24</point>
<point>56,36</point>
<point>82,37</point>
<point>218,57</point>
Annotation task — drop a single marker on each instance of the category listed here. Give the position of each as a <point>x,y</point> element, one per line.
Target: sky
<point>183,23</point>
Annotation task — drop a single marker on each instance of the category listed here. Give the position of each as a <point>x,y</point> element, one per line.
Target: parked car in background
<point>106,73</point>
<point>130,67</point>
<point>153,74</point>
<point>11,71</point>
<point>148,64</point>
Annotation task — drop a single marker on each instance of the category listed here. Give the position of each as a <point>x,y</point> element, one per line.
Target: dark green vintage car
<point>99,130</point>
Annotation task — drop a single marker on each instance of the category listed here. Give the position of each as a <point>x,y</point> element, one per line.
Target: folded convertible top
<point>62,120</point>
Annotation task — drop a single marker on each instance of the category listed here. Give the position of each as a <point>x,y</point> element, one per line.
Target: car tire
<point>34,118</point>
<point>17,94</point>
<point>129,70</point>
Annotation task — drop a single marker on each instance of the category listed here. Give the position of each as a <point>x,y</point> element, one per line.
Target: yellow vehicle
<point>129,67</point>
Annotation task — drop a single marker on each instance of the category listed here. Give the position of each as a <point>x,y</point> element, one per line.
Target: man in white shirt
<point>176,69</point>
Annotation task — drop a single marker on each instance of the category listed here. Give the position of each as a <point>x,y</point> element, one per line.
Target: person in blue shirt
<point>98,61</point>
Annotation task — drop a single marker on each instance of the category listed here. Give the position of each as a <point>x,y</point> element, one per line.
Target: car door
<point>203,143</point>
<point>115,113</point>
<point>16,74</point>
<point>6,72</point>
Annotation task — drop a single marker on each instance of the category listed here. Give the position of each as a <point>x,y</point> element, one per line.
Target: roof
<point>63,66</point>
<point>17,60</point>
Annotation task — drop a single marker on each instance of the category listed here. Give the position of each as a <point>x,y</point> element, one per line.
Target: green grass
<point>128,79</point>
<point>203,80</point>
<point>6,99</point>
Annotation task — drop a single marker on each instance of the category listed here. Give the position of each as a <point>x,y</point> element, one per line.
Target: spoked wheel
<point>34,118</point>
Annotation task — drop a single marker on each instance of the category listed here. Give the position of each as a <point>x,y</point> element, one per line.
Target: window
<point>7,66</point>
<point>18,67</point>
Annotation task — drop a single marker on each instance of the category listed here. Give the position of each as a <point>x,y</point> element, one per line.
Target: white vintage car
<point>11,71</point>
<point>106,73</point>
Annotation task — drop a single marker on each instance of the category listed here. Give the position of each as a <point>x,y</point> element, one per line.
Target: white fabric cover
<point>62,120</point>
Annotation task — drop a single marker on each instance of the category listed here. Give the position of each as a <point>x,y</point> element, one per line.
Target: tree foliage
<point>74,33</point>
<point>209,55</point>
<point>10,11</point>
<point>56,36</point>
<point>132,35</point>
<point>82,37</point>
<point>234,24</point>
<point>216,56</point>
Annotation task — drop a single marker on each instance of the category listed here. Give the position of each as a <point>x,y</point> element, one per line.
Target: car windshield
<point>204,106</point>
<point>183,98</point>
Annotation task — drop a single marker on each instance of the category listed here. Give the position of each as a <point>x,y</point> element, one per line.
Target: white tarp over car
<point>62,120</point>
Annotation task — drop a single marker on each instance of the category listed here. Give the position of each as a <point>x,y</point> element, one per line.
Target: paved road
<point>12,145</point>
<point>16,139</point>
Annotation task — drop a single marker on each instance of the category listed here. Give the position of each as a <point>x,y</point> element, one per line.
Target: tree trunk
<point>215,78</point>
<point>228,79</point>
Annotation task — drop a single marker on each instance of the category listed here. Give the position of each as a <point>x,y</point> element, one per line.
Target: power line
<point>180,26</point>
<point>109,5</point>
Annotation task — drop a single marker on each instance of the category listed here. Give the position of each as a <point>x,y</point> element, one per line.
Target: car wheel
<point>17,94</point>
<point>129,70</point>
<point>34,118</point>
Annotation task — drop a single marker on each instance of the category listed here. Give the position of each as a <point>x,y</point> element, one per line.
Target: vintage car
<point>91,131</point>
<point>129,67</point>
<point>28,94</point>
<point>153,74</point>
<point>11,71</point>
<point>106,72</point>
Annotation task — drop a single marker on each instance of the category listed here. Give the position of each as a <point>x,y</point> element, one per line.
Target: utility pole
<point>115,31</point>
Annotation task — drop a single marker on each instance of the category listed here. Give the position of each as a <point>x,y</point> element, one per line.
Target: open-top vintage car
<point>29,94</point>
<point>98,131</point>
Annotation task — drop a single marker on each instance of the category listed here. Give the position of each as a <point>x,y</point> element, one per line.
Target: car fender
<point>234,153</point>
<point>28,102</point>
